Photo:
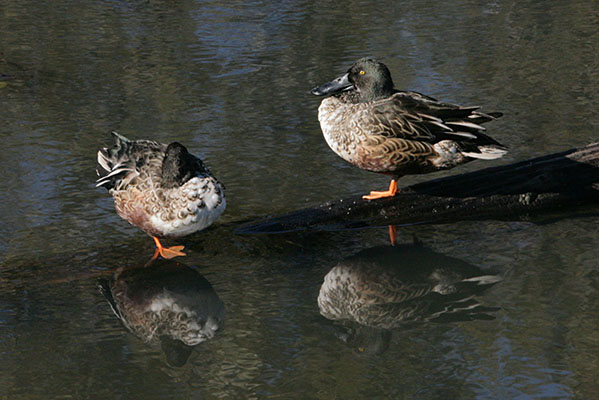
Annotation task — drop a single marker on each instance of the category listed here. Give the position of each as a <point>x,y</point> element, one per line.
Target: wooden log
<point>525,188</point>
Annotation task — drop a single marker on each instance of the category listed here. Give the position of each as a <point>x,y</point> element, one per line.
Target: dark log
<point>566,179</point>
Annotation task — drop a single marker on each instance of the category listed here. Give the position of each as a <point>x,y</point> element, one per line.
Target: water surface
<point>230,80</point>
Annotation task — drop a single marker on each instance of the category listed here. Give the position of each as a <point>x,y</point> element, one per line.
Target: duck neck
<point>376,92</point>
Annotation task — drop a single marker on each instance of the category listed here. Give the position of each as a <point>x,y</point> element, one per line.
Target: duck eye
<point>362,72</point>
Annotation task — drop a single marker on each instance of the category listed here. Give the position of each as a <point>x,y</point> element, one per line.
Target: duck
<point>376,127</point>
<point>160,188</point>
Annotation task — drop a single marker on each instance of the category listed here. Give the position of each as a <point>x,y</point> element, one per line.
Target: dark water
<point>230,80</point>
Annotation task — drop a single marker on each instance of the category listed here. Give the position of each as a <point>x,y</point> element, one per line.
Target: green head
<point>370,78</point>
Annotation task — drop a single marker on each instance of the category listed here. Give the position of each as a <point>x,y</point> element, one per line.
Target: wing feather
<point>119,165</point>
<point>414,116</point>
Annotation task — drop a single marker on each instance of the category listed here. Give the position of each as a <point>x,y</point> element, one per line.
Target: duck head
<point>178,166</point>
<point>370,78</point>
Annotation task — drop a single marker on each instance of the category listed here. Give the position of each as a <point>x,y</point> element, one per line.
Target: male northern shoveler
<point>162,189</point>
<point>376,127</point>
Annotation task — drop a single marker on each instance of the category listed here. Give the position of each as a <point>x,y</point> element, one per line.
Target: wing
<point>414,116</point>
<point>119,165</point>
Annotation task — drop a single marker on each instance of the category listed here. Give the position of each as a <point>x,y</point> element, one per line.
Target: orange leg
<point>167,252</point>
<point>392,191</point>
<point>393,234</point>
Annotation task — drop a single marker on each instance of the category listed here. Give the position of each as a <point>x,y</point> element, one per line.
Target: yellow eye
<point>362,72</point>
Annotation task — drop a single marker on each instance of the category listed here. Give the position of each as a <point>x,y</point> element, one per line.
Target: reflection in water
<point>382,288</point>
<point>168,303</point>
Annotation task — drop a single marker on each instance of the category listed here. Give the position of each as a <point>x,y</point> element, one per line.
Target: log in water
<point>565,179</point>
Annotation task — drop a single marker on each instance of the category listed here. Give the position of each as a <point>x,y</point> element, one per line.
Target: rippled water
<point>230,80</point>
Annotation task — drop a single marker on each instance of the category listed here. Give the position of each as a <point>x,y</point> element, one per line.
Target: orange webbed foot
<point>172,252</point>
<point>167,252</point>
<point>392,191</point>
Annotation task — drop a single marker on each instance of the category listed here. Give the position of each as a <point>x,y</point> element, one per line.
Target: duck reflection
<point>166,303</point>
<point>387,287</point>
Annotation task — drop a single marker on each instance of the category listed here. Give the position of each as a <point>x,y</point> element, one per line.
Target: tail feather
<point>487,152</point>
<point>115,173</point>
<point>466,125</point>
<point>104,160</point>
<point>462,135</point>
<point>120,138</point>
<point>115,165</point>
<point>480,118</point>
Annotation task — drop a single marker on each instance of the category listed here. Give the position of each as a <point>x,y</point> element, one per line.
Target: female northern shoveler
<point>376,127</point>
<point>161,189</point>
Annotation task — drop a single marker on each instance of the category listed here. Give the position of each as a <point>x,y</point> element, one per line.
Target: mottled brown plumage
<point>161,189</point>
<point>376,127</point>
